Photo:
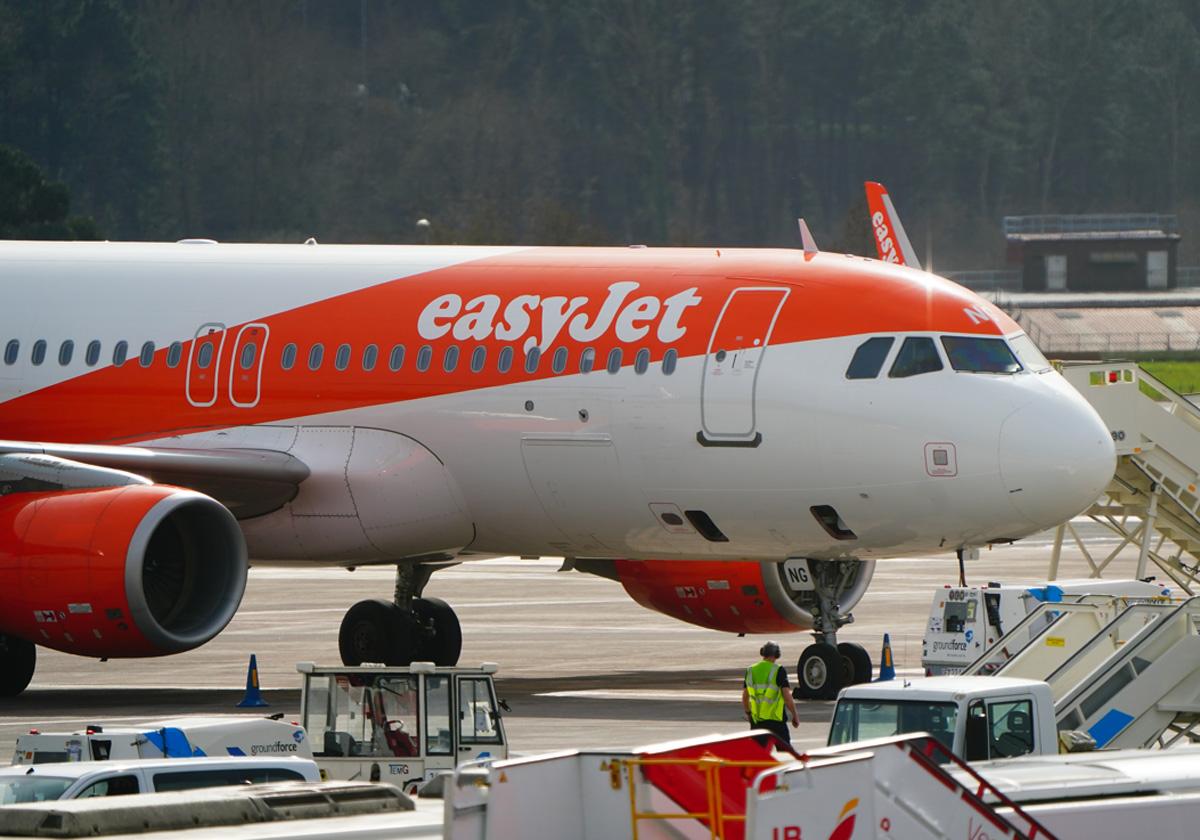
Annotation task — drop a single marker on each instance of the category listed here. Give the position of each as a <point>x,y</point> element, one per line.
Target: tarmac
<point>581,665</point>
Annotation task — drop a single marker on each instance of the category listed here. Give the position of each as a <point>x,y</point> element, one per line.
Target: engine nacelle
<point>736,597</point>
<point>139,570</point>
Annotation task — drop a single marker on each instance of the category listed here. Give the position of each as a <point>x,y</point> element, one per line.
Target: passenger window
<point>316,355</point>
<point>341,358</point>
<point>369,357</point>
<point>614,360</point>
<point>587,360</point>
<point>1010,728</point>
<point>450,360</point>
<point>424,357</point>
<point>121,352</point>
<point>174,354</point>
<point>191,779</point>
<point>92,354</point>
<point>917,355</point>
<point>11,351</point>
<point>114,786</point>
<point>980,355</point>
<point>65,351</point>
<point>396,358</point>
<point>39,352</point>
<point>532,358</point>
<point>668,362</point>
<point>869,357</point>
<point>641,362</point>
<point>288,359</point>
<point>248,354</point>
<point>146,357</point>
<point>559,363</point>
<point>204,357</point>
<point>478,358</point>
<point>504,362</point>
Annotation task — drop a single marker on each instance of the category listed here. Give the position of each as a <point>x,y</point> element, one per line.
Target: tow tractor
<point>402,725</point>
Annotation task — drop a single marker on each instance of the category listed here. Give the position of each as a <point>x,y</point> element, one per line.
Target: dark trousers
<point>776,727</point>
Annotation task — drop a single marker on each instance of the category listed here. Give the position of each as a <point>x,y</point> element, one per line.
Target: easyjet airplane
<point>171,412</point>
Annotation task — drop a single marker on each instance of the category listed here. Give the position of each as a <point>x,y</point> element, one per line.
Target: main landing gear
<point>408,629</point>
<point>17,661</point>
<point>825,668</point>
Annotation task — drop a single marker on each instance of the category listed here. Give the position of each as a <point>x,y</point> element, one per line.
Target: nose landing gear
<point>827,666</point>
<point>408,629</point>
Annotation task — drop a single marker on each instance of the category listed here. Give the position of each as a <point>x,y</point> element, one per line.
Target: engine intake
<point>141,570</point>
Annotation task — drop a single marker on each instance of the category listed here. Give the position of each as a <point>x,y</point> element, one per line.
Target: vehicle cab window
<point>869,358</point>
<point>476,712</point>
<point>112,786</point>
<point>918,354</point>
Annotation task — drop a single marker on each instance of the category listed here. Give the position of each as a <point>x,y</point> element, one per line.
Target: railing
<point>710,767</point>
<point>1113,343</point>
<point>1091,223</point>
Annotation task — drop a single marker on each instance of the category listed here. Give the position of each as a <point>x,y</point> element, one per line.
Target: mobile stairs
<point>1152,502</point>
<point>1131,681</point>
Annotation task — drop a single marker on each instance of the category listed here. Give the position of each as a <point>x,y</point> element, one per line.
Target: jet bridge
<point>1152,502</point>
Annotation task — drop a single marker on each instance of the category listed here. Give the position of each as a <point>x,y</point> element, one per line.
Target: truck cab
<point>976,718</point>
<point>400,725</point>
<point>966,620</point>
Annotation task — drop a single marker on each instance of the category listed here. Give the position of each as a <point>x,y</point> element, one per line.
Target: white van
<point>966,620</point>
<point>81,779</point>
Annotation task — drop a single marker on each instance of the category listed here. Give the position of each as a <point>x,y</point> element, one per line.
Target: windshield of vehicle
<point>859,720</point>
<point>32,788</point>
<point>980,355</point>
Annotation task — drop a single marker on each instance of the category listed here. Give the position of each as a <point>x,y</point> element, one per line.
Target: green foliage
<point>1181,376</point>
<point>32,207</point>
<point>604,121</point>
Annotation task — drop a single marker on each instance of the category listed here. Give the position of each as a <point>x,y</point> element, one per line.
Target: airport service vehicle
<point>1131,682</point>
<point>185,737</point>
<point>82,779</point>
<point>736,435</point>
<point>400,725</point>
<point>901,787</point>
<point>965,620</point>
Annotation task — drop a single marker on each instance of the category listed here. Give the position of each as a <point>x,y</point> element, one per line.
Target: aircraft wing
<point>890,239</point>
<point>250,482</point>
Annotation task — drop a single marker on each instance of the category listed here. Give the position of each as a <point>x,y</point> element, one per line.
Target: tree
<point>34,207</point>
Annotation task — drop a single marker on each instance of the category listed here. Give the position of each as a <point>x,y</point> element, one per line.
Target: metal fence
<point>1109,344</point>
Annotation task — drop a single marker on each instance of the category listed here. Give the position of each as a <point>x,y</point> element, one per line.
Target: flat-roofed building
<point>1102,252</point>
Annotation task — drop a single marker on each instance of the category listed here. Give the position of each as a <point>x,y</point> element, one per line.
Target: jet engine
<point>137,570</point>
<point>736,597</point>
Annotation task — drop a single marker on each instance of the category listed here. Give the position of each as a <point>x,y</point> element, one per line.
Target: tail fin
<point>890,238</point>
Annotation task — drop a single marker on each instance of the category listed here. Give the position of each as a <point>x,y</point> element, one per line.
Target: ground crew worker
<point>766,693</point>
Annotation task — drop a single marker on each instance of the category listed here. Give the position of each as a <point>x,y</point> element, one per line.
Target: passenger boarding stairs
<point>1126,673</point>
<point>735,787</point>
<point>1152,501</point>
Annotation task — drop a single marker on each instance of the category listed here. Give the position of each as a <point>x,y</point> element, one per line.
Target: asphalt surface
<point>581,664</point>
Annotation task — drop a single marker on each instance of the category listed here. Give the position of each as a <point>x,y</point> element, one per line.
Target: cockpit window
<point>918,354</point>
<point>980,355</point>
<point>869,357</point>
<point>1031,357</point>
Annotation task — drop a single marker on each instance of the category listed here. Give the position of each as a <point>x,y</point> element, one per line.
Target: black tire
<point>18,658</point>
<point>857,662</point>
<point>375,631</point>
<point>819,672</point>
<point>445,645</point>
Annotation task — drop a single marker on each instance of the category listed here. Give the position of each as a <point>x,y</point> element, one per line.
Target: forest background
<point>598,121</point>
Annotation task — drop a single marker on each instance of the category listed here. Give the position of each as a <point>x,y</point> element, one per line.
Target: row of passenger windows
<point>919,354</point>
<point>559,359</point>
<point>343,354</point>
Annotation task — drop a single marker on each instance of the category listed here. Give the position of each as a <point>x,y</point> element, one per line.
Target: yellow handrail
<point>710,766</point>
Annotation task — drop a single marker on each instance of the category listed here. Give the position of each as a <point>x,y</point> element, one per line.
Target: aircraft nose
<point>1056,456</point>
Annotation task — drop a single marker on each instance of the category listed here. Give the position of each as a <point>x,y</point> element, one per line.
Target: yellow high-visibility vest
<point>766,700</point>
